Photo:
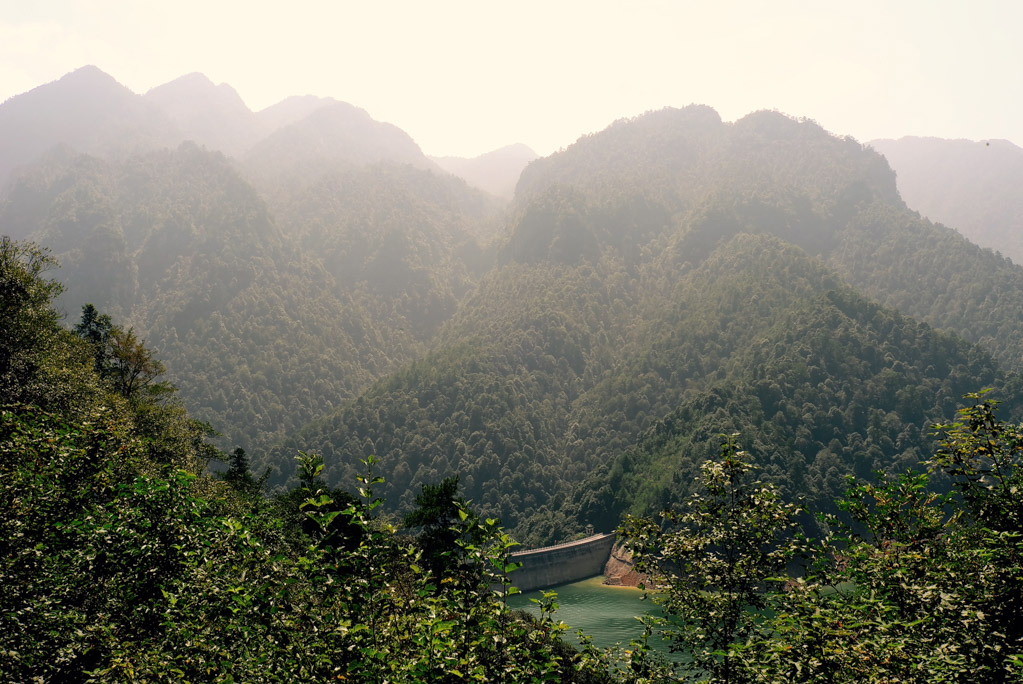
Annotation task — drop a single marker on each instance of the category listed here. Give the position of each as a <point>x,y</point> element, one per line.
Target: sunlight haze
<point>463,78</point>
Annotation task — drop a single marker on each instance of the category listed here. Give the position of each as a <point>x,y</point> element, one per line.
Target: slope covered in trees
<point>122,559</point>
<point>635,271</point>
<point>656,284</point>
<point>661,265</point>
<point>539,412</point>
<point>264,323</point>
<point>830,196</point>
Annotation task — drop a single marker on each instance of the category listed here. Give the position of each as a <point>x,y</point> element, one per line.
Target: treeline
<point>633,272</point>
<point>585,394</point>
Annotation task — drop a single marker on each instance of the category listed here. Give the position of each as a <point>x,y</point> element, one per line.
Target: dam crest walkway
<point>568,562</point>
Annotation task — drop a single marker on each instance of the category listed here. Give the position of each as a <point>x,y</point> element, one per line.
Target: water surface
<point>608,614</point>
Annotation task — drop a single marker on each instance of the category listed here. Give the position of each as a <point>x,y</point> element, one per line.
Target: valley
<point>285,386</point>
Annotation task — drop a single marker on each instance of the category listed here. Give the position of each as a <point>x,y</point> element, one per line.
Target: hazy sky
<point>466,77</point>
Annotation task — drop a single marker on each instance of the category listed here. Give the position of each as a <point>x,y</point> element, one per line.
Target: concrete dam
<point>568,562</point>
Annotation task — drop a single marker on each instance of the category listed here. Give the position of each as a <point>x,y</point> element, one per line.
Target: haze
<point>466,77</point>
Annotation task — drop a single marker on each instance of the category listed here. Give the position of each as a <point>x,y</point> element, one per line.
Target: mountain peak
<point>193,86</point>
<point>88,80</point>
<point>86,109</point>
<point>291,110</point>
<point>90,71</point>
<point>211,114</point>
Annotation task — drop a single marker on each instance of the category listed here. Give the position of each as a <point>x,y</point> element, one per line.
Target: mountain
<point>814,380</point>
<point>766,172</point>
<point>970,186</point>
<point>291,110</point>
<point>90,112</point>
<point>269,304</point>
<point>334,134</point>
<point>571,354</point>
<point>495,172</point>
<point>259,319</point>
<point>677,271</point>
<point>85,109</point>
<point>208,114</point>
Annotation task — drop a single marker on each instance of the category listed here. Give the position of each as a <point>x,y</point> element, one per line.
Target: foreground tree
<point>437,518</point>
<point>919,586</point>
<point>715,559</point>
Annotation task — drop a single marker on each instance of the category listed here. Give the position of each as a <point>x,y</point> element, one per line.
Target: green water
<point>608,614</point>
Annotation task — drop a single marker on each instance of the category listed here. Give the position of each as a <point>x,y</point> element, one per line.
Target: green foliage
<point>39,362</point>
<point>267,307</point>
<point>122,561</point>
<point>121,576</point>
<point>713,559</point>
<point>669,264</point>
<point>922,587</point>
<point>437,516</point>
<point>930,591</point>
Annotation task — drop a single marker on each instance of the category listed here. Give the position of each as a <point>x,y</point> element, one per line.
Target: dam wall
<point>569,562</point>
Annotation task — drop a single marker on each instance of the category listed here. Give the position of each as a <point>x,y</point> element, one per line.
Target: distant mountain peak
<point>291,110</point>
<point>193,77</point>
<point>495,172</point>
<point>211,114</point>
<point>332,133</point>
<point>194,86</point>
<point>971,185</point>
<point>89,78</point>
<point>86,109</point>
<point>87,71</point>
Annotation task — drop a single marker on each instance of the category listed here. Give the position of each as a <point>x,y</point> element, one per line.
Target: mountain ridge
<point>333,290</point>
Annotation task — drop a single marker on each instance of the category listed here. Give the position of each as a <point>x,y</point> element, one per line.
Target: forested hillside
<point>659,266</point>
<point>275,286</point>
<point>661,306</point>
<point>531,348</point>
<point>122,559</point>
<point>263,323</point>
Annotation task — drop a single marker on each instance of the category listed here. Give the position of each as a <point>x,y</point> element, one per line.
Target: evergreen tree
<point>436,515</point>
<point>96,328</point>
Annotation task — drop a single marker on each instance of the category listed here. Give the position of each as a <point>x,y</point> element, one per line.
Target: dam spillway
<point>568,562</point>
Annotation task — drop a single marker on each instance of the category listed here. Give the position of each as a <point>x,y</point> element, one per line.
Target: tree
<point>41,363</point>
<point>984,457</point>
<point>120,358</point>
<point>133,367</point>
<point>714,559</point>
<point>96,328</point>
<point>918,586</point>
<point>437,516</point>
<point>239,475</point>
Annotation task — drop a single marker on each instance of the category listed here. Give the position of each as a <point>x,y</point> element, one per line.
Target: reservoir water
<point>608,614</point>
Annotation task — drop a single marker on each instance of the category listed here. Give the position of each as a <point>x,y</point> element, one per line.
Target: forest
<point>280,398</point>
<point>125,559</point>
